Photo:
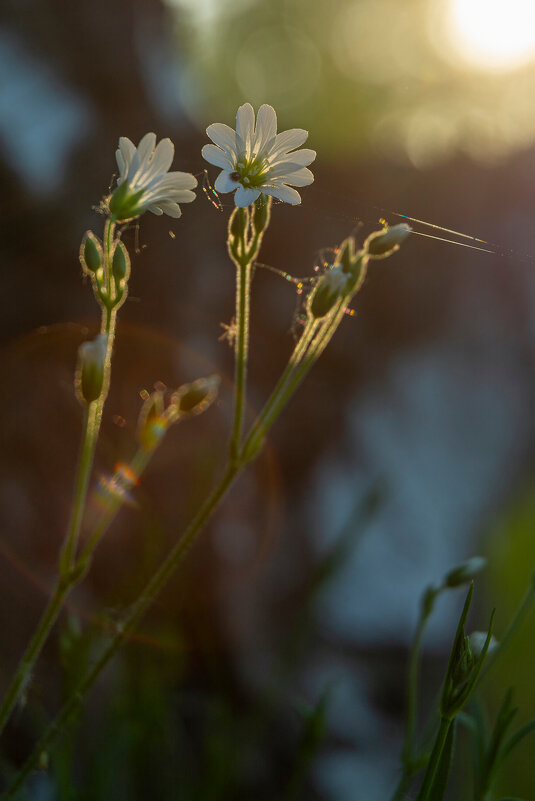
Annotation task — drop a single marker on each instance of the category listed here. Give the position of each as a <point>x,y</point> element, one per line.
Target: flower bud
<point>262,213</point>
<point>383,243</point>
<point>478,640</point>
<point>463,661</point>
<point>124,203</point>
<point>120,264</point>
<point>91,368</point>
<point>238,222</point>
<point>152,422</point>
<point>90,252</point>
<point>465,572</point>
<point>196,397</point>
<point>329,289</point>
<point>346,255</point>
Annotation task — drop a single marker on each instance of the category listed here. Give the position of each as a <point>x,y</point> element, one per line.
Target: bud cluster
<point>246,228</point>
<point>109,274</point>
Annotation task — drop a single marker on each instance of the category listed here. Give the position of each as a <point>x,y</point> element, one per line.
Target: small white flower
<point>145,182</point>
<point>255,159</point>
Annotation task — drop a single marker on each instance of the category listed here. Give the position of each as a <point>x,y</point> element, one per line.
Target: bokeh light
<point>493,35</point>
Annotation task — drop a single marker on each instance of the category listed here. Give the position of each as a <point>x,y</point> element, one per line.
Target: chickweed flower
<point>145,182</point>
<point>256,160</point>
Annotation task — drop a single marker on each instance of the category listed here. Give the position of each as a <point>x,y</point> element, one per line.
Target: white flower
<point>144,181</point>
<point>255,159</point>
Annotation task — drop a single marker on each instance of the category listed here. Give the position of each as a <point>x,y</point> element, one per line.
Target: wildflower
<point>255,160</point>
<point>144,181</point>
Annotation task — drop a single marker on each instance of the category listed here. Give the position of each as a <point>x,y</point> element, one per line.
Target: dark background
<point>412,439</point>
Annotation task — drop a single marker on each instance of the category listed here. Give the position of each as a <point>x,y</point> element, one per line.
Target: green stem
<point>243,288</point>
<point>434,760</point>
<point>27,662</point>
<point>153,587</point>
<point>68,575</point>
<point>412,694</point>
<point>315,342</point>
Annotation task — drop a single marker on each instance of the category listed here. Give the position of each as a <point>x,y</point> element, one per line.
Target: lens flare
<point>493,35</point>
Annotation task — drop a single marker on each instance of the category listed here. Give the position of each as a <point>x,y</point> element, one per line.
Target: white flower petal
<point>302,177</point>
<point>121,164</point>
<point>266,128</point>
<point>172,209</point>
<point>245,128</point>
<point>244,197</point>
<point>127,149</point>
<point>178,180</point>
<point>162,157</point>
<point>214,155</point>
<point>155,210</point>
<point>224,183</point>
<point>303,157</point>
<point>222,135</point>
<point>283,192</point>
<point>282,168</point>
<point>288,140</point>
<point>146,147</point>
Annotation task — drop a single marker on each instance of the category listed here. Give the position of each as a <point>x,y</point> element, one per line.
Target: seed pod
<point>383,243</point>
<point>91,367</point>
<point>90,253</point>
<point>329,289</point>
<point>196,397</point>
<point>262,213</point>
<point>120,265</point>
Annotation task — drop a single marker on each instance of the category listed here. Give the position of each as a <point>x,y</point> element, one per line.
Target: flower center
<point>250,172</point>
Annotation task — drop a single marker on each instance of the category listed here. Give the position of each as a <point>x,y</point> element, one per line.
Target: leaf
<point>517,737</point>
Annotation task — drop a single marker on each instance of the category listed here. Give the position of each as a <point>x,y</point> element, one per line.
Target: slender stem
<point>26,664</point>
<point>90,429</point>
<point>151,590</point>
<point>408,757</point>
<point>243,288</point>
<point>317,341</point>
<point>412,693</point>
<point>67,574</point>
<point>434,759</point>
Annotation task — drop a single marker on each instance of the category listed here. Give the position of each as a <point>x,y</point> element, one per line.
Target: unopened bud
<point>346,255</point>
<point>152,422</point>
<point>330,288</point>
<point>120,264</point>
<point>383,243</point>
<point>262,213</point>
<point>478,640</point>
<point>91,368</point>
<point>463,661</point>
<point>465,572</point>
<point>90,252</point>
<point>196,397</point>
<point>238,223</point>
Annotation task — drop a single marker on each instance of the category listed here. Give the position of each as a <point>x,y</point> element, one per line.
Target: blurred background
<point>273,666</point>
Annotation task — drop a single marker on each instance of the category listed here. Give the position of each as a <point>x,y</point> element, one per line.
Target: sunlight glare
<point>496,35</point>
